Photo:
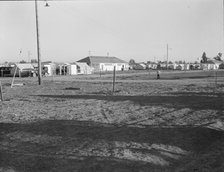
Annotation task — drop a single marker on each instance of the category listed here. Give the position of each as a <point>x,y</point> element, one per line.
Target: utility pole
<point>114,78</point>
<point>223,21</point>
<point>38,46</point>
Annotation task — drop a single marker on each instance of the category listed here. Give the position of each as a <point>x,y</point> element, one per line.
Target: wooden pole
<point>60,69</point>
<point>1,91</point>
<point>38,46</point>
<point>216,78</point>
<point>167,56</point>
<point>13,77</point>
<point>223,22</point>
<point>114,78</point>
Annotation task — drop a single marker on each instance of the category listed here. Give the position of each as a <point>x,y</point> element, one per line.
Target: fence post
<point>114,78</point>
<point>1,91</point>
<point>216,78</point>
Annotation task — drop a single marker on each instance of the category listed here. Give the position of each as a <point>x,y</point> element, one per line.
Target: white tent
<point>22,68</point>
<point>83,68</point>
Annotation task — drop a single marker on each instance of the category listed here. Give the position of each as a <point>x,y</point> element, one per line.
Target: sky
<point>142,30</point>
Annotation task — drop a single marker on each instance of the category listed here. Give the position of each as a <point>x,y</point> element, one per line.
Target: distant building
<point>48,68</point>
<point>138,66</point>
<point>152,65</point>
<point>22,69</point>
<point>105,63</point>
<point>143,65</point>
<point>5,71</point>
<point>211,64</point>
<point>78,68</point>
<point>75,68</point>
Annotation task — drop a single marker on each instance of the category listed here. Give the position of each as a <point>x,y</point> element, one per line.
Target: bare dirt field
<point>76,123</point>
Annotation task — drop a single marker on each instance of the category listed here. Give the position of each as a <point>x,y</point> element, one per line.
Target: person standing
<point>158,74</point>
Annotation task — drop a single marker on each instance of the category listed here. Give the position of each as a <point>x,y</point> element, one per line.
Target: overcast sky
<point>127,29</point>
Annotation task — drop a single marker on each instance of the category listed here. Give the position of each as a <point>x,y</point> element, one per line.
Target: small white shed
<point>22,69</point>
<point>72,69</point>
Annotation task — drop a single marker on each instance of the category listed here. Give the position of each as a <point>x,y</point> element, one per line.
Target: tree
<point>34,61</point>
<point>179,67</point>
<point>22,61</point>
<point>171,67</point>
<point>6,63</point>
<point>221,66</point>
<point>196,62</point>
<point>204,58</point>
<point>132,62</point>
<point>218,57</point>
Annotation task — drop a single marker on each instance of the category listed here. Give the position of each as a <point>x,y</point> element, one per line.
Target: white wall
<point>110,66</point>
<point>72,69</point>
<point>49,71</point>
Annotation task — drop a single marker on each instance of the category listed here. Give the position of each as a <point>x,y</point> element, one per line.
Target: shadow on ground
<point>194,101</point>
<point>89,146</point>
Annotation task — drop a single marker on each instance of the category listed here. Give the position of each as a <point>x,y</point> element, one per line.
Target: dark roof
<point>101,59</point>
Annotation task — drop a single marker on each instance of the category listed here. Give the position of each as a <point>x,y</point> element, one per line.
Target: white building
<point>22,69</point>
<point>105,63</point>
<point>211,64</point>
<point>78,68</point>
<point>50,68</point>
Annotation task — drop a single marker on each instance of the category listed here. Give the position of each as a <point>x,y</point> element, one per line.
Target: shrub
<point>221,66</point>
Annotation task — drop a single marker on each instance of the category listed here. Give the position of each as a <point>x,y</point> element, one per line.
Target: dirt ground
<point>76,123</point>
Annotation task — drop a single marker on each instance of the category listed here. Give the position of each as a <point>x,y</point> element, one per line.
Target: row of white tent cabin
<point>20,69</point>
<point>67,68</point>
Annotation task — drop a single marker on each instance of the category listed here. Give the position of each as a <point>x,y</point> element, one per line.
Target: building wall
<point>208,66</point>
<point>51,69</point>
<point>110,66</point>
<point>107,66</point>
<point>84,69</point>
<point>101,63</point>
<point>75,69</point>
<point>72,69</point>
<point>48,67</point>
<point>5,71</point>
